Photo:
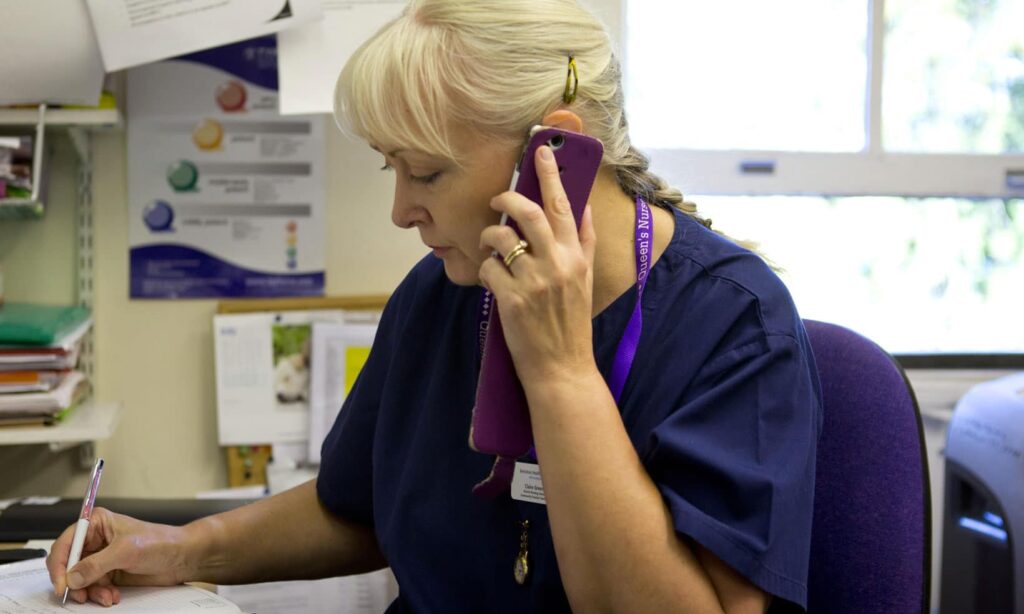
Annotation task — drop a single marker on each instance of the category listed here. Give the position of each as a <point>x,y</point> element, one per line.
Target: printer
<point>983,524</point>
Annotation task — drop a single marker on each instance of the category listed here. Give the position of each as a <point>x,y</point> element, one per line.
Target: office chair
<point>871,533</point>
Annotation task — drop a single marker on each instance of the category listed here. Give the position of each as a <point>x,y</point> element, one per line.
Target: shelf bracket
<point>80,139</point>
<point>85,453</point>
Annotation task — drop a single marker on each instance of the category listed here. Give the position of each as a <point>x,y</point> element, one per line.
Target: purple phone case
<point>501,419</point>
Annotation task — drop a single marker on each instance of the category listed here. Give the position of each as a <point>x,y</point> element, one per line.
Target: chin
<point>462,273</point>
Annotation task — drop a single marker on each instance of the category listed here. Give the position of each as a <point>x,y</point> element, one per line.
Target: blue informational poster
<point>226,196</point>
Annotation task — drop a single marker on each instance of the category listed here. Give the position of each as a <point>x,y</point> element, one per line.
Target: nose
<point>405,213</point>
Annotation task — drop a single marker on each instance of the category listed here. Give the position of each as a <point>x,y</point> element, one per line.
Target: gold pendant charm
<point>521,569</point>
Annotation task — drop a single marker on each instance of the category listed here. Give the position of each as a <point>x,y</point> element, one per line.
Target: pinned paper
<point>50,54</point>
<point>133,32</point>
<point>311,57</point>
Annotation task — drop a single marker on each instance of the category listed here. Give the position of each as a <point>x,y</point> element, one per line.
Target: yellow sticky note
<point>355,358</point>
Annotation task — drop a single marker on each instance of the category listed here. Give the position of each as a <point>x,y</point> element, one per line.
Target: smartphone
<point>501,419</point>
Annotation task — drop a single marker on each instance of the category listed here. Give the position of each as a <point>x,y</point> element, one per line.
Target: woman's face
<point>449,205</point>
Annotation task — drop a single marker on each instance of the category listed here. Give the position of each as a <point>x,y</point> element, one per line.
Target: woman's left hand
<point>545,296</point>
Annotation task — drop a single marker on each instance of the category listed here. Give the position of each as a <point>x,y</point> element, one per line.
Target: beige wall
<point>156,357</point>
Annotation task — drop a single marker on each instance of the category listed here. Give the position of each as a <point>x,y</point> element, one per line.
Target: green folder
<point>30,324</point>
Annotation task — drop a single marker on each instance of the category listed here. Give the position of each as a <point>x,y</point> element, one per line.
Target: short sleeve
<point>735,460</point>
<point>345,481</point>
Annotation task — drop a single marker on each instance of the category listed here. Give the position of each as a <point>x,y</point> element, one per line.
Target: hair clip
<point>572,82</point>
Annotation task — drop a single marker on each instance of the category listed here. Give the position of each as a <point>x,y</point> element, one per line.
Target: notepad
<point>25,587</point>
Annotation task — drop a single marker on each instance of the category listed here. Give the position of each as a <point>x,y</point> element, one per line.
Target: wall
<point>38,261</point>
<point>156,357</point>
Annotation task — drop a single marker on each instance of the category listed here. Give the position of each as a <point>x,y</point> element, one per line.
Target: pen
<point>82,528</point>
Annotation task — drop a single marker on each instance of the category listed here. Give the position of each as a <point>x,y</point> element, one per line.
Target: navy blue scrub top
<point>722,406</point>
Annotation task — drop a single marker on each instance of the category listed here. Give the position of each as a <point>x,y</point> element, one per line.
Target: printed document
<point>311,56</point>
<point>50,54</point>
<point>133,32</point>
<point>369,593</point>
<point>339,353</point>
<point>226,197</point>
<point>25,588</point>
<point>263,375</point>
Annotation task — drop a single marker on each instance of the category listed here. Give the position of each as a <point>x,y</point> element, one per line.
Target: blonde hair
<point>497,67</point>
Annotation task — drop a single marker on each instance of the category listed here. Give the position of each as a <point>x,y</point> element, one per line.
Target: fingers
<point>106,595</point>
<point>57,560</point>
<point>94,568</point>
<point>532,222</point>
<point>101,590</point>
<point>588,236</point>
<point>542,226</point>
<point>500,239</point>
<point>496,278</point>
<point>103,594</point>
<point>556,203</point>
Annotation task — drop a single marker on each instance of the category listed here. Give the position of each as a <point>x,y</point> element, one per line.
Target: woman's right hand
<point>119,550</point>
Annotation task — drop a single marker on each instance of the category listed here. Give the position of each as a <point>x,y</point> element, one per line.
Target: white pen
<point>82,528</point>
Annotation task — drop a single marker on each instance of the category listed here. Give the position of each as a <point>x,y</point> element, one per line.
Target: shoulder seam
<point>737,285</point>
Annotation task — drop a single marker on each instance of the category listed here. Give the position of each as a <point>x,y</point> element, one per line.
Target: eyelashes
<point>422,179</point>
<point>425,179</point>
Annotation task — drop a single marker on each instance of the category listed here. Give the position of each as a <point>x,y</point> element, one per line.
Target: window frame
<point>873,171</point>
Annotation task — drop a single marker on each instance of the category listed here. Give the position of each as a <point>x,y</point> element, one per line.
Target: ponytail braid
<point>636,179</point>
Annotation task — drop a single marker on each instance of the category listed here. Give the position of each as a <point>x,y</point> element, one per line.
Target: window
<point>874,148</point>
<point>954,76</point>
<point>937,275</point>
<point>707,78</point>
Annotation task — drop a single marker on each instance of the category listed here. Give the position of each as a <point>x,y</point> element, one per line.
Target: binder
<point>29,324</point>
<point>60,355</point>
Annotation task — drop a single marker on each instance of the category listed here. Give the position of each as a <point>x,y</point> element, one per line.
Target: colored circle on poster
<point>291,251</point>
<point>158,216</point>
<point>208,134</point>
<point>231,96</point>
<point>291,226</point>
<point>292,240</point>
<point>292,264</point>
<point>182,176</point>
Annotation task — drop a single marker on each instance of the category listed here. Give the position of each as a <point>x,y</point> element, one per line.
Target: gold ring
<point>516,252</point>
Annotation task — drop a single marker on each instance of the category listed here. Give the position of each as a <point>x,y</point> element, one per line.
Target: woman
<point>692,492</point>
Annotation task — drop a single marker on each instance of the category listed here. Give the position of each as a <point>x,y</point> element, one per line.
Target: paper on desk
<point>310,57</point>
<point>339,353</point>
<point>133,32</point>
<point>25,588</point>
<point>363,594</point>
<point>239,492</point>
<point>50,54</point>
<point>40,544</point>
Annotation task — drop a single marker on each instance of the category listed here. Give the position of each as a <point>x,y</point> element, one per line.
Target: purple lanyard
<point>626,351</point>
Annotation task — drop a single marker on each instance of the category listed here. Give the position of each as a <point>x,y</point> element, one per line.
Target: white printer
<point>983,526</point>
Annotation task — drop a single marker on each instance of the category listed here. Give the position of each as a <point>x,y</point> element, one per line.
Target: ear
<point>564,119</point>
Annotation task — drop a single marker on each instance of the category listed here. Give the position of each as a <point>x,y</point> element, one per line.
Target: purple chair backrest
<point>871,535</point>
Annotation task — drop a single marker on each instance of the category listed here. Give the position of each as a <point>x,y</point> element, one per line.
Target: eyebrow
<point>390,153</point>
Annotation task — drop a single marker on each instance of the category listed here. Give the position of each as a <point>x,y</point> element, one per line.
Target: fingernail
<point>74,579</point>
<point>545,153</point>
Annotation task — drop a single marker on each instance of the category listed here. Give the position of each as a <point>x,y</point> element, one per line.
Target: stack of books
<point>39,348</point>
